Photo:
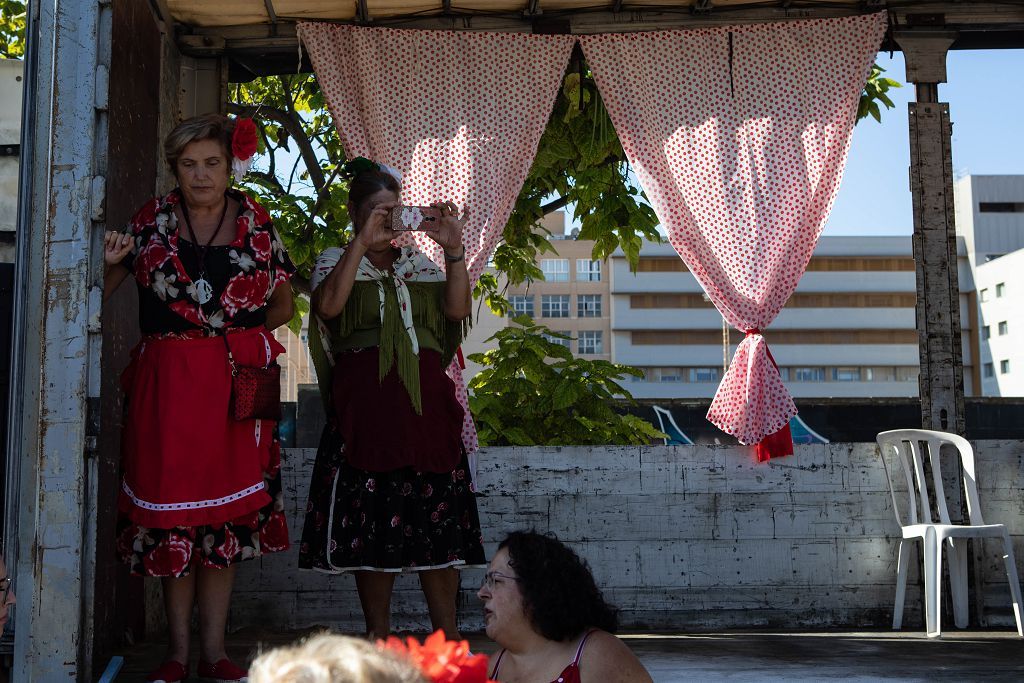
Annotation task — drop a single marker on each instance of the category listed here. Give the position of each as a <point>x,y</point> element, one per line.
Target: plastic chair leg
<point>902,563</point>
<point>932,584</point>
<point>958,580</point>
<point>1011,575</point>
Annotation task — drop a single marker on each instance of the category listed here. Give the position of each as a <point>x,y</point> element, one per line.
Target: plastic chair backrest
<point>909,447</point>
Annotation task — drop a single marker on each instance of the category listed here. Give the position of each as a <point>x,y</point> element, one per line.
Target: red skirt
<point>186,461</point>
<point>380,428</point>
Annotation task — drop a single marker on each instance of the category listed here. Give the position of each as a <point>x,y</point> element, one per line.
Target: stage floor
<point>748,655</point>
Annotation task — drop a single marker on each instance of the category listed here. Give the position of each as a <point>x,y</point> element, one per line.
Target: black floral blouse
<point>243,273</point>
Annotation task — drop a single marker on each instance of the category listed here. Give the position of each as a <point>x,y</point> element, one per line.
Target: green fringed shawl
<point>359,326</point>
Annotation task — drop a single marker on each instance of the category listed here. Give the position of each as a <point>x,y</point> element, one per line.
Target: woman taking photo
<point>391,489</point>
<point>542,606</point>
<point>201,489</point>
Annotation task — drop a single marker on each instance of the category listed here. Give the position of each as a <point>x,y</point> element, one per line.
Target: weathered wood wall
<point>682,538</point>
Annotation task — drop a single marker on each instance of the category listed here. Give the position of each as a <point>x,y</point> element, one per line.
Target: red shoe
<point>222,672</point>
<point>169,672</point>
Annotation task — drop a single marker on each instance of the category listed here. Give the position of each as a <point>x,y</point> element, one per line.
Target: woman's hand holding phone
<point>376,231</point>
<point>449,230</point>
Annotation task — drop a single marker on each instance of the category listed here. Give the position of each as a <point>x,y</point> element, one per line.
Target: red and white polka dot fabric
<point>459,113</point>
<point>739,136</point>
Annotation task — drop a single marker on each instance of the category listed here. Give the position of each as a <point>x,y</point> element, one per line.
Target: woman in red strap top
<point>542,607</point>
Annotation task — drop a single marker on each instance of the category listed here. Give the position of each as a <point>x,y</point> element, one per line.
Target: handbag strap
<point>231,358</point>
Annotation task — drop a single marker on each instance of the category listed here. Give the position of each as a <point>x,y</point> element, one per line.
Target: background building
<point>572,299</point>
<point>990,219</point>
<point>849,330</point>
<point>573,296</point>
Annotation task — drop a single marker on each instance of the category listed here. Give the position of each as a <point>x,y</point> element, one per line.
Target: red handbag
<point>255,392</point>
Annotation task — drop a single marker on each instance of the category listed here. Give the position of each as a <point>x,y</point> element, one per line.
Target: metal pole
<point>53,357</point>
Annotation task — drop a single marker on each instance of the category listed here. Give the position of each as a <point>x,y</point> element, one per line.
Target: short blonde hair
<point>332,658</point>
<point>205,127</point>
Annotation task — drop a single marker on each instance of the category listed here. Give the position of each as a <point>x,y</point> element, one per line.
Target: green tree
<point>12,29</point>
<point>534,392</point>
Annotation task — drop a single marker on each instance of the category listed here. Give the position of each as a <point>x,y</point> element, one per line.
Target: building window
<point>988,370</point>
<point>591,342</point>
<point>588,305</point>
<point>561,341</point>
<point>555,269</point>
<point>588,270</point>
<point>1001,207</point>
<point>521,305</point>
<point>845,374</point>
<point>1000,290</point>
<point>986,332</point>
<point>809,374</point>
<point>907,373</point>
<point>1003,328</point>
<point>554,305</point>
<point>670,374</point>
<point>1004,367</point>
<point>983,295</point>
<point>704,374</point>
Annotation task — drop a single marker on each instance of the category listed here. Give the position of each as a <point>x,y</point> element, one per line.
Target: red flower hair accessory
<point>243,147</point>
<point>441,660</point>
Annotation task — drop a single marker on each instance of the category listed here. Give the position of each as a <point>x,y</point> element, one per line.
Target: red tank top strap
<point>497,663</point>
<point>579,650</point>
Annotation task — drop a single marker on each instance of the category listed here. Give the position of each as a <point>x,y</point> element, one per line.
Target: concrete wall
<point>681,538</point>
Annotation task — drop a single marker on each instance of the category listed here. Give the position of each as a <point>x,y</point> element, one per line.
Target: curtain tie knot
<point>753,331</point>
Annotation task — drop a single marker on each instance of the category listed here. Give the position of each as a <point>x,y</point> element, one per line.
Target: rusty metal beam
<point>271,14</point>
<point>931,183</point>
<point>162,11</point>
<point>57,313</point>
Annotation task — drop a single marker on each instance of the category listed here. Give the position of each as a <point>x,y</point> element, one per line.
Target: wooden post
<point>931,182</point>
<point>938,290</point>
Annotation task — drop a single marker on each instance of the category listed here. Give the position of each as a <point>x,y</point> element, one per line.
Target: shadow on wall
<point>818,422</point>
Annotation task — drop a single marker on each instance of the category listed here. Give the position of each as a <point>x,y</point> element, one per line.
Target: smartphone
<point>415,218</point>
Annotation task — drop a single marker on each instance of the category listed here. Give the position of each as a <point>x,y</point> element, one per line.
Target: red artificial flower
<point>441,660</point>
<point>243,140</point>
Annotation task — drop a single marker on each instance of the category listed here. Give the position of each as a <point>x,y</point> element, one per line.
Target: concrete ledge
<point>682,538</point>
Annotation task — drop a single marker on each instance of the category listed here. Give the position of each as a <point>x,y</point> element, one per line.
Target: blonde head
<point>205,127</point>
<point>330,658</point>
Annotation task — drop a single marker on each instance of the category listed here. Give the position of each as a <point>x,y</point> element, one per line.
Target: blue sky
<point>985,92</point>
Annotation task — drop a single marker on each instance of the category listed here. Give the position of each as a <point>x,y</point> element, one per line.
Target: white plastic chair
<point>909,447</point>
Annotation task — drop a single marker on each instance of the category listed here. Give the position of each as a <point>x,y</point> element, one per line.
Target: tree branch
<point>554,205</point>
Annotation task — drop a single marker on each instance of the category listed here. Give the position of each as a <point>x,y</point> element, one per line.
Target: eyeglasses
<point>5,590</point>
<point>489,579</point>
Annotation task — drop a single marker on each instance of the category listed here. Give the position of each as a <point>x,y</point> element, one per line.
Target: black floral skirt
<point>174,552</point>
<point>398,520</point>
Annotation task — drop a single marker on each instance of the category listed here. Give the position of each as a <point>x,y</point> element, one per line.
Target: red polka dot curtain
<point>739,136</point>
<point>459,113</point>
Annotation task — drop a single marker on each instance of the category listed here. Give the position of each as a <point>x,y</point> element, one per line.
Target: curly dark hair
<point>560,596</point>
